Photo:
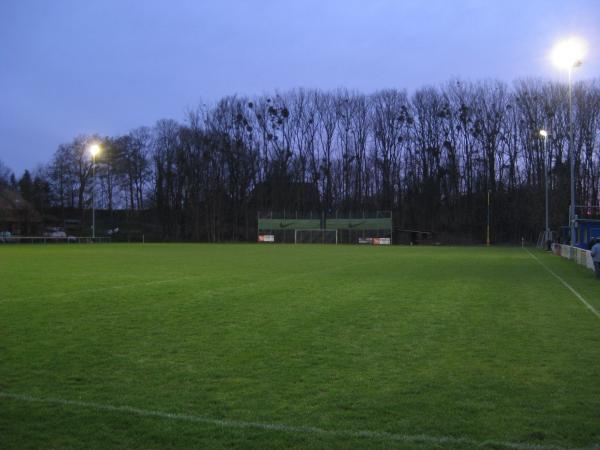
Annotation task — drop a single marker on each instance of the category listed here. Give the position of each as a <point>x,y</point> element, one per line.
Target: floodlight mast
<point>94,150</point>
<point>487,240</point>
<point>569,55</point>
<point>547,239</point>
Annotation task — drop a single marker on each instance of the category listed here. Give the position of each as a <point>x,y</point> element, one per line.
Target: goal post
<point>315,236</point>
<point>544,240</point>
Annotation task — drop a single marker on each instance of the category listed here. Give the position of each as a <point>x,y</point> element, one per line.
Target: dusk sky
<point>72,67</point>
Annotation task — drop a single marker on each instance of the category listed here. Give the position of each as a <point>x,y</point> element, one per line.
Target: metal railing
<point>580,256</point>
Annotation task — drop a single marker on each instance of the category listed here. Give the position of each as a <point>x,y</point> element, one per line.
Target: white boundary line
<point>363,434</point>
<point>567,285</point>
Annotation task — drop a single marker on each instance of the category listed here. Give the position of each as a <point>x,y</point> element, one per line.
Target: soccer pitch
<point>274,346</point>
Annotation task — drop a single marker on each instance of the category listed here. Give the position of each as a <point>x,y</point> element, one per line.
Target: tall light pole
<point>547,239</point>
<point>487,240</point>
<point>94,150</point>
<point>569,55</point>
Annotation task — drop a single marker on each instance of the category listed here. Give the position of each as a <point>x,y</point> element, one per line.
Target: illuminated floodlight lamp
<point>569,53</point>
<point>94,149</point>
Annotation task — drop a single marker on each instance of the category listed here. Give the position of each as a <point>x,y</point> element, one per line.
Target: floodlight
<point>94,149</point>
<point>569,53</point>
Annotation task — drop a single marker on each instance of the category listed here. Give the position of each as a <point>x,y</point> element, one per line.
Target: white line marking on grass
<point>365,434</point>
<point>567,285</point>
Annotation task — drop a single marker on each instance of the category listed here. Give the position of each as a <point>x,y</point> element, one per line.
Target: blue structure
<point>585,231</point>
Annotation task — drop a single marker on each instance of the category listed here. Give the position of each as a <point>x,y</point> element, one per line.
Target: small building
<point>17,216</point>
<point>585,231</point>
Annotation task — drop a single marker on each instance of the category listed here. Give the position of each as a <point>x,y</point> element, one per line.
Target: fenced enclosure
<point>347,228</point>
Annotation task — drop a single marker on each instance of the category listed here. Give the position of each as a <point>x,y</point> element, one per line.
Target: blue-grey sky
<point>106,66</point>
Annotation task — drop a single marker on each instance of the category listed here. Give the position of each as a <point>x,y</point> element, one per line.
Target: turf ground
<point>249,346</point>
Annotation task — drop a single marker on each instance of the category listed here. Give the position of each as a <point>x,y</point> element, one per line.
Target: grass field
<point>249,346</point>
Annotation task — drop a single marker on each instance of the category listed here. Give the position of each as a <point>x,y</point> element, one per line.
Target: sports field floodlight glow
<point>543,133</point>
<point>94,149</point>
<point>569,53</point>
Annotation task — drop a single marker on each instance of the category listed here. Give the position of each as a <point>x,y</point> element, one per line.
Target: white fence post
<point>581,256</point>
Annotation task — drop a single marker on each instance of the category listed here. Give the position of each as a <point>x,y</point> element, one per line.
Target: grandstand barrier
<point>581,256</point>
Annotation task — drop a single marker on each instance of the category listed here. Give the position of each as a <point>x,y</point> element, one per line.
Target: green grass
<point>480,344</point>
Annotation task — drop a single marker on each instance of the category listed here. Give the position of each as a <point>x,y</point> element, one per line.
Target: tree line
<point>431,157</point>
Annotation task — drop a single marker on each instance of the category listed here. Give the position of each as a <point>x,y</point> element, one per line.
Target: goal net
<point>316,236</point>
<point>544,240</point>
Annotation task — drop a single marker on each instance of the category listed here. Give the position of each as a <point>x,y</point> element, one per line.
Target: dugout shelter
<point>585,231</point>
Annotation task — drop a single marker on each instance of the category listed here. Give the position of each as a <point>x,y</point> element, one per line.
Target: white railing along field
<point>581,256</point>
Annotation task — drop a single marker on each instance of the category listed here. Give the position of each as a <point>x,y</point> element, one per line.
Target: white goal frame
<point>315,230</point>
<point>543,238</point>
